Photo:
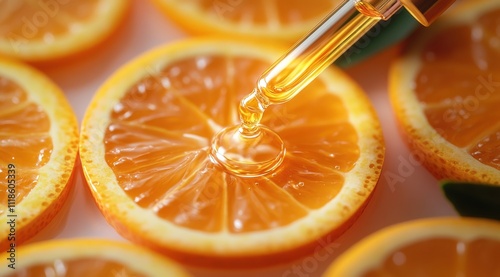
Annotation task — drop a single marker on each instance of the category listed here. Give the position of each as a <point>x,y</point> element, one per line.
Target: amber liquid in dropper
<point>251,149</point>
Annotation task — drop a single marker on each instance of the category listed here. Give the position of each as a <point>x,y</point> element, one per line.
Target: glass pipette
<point>251,149</point>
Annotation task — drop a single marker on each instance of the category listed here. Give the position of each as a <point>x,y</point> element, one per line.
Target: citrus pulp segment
<point>445,93</point>
<point>425,247</point>
<point>39,144</point>
<point>270,20</point>
<point>46,30</point>
<point>145,150</point>
<point>88,257</point>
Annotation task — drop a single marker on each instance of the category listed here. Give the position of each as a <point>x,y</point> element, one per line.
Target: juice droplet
<point>249,149</point>
<point>251,110</point>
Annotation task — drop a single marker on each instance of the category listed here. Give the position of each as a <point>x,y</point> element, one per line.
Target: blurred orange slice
<point>427,247</point>
<point>145,143</point>
<point>38,147</point>
<point>445,91</point>
<point>45,30</point>
<point>264,21</point>
<point>86,257</point>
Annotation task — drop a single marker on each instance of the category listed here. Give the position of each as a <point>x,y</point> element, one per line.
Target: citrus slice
<point>145,142</point>
<point>426,247</point>
<point>280,21</point>
<point>445,94</point>
<point>86,257</point>
<point>270,20</point>
<point>38,147</point>
<point>45,30</point>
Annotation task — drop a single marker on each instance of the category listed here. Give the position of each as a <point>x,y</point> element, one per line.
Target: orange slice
<point>86,257</point>
<point>427,247</point>
<point>45,30</point>
<point>145,142</point>
<point>38,147</point>
<point>270,20</point>
<point>445,94</point>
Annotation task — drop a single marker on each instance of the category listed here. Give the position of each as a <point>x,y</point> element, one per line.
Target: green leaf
<point>380,37</point>
<point>472,199</point>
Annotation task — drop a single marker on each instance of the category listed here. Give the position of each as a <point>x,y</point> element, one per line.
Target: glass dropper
<point>251,149</point>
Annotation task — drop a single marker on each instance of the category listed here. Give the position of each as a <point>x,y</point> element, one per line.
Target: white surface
<point>412,193</point>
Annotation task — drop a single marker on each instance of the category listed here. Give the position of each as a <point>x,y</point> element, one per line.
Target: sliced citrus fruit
<point>86,257</point>
<point>270,20</point>
<point>445,90</point>
<point>145,152</point>
<point>280,21</point>
<point>46,30</point>
<point>38,147</point>
<point>425,247</point>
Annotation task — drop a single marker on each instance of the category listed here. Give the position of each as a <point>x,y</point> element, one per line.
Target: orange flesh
<point>77,268</point>
<point>42,20</point>
<point>459,86</point>
<point>265,11</point>
<point>442,257</point>
<point>24,139</point>
<point>158,142</point>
